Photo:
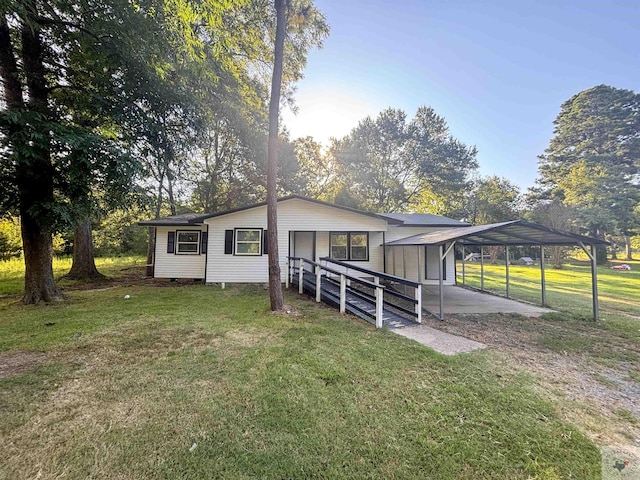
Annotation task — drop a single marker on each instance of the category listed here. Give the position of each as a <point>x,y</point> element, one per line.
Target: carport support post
<point>462,264</point>
<point>543,283</point>
<point>440,274</point>
<point>482,268</point>
<point>591,253</point>
<point>594,282</point>
<point>506,250</point>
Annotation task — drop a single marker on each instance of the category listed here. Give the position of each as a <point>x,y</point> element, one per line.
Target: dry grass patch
<point>589,372</point>
<point>17,363</point>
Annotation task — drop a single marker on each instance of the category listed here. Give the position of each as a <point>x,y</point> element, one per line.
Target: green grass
<point>12,270</point>
<point>126,387</point>
<point>569,290</point>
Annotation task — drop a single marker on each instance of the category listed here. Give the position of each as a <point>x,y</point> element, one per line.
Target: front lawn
<point>198,382</point>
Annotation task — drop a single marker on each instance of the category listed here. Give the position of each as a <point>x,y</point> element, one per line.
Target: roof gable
<point>198,219</point>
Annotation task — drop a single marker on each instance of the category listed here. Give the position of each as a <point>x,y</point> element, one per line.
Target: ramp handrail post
<point>343,293</point>
<point>318,283</point>
<point>301,276</point>
<point>419,303</point>
<point>379,305</point>
<point>286,281</point>
<point>292,270</point>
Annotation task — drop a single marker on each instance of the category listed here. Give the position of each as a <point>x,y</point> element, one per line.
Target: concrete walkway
<point>441,342</point>
<point>462,300</point>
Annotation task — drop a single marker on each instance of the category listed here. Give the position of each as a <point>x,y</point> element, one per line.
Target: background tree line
<point>114,112</point>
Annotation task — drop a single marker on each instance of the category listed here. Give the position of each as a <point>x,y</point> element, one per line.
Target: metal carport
<point>506,234</point>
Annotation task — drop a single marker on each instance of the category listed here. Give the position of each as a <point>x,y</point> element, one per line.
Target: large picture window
<point>188,242</point>
<point>248,241</point>
<point>349,246</point>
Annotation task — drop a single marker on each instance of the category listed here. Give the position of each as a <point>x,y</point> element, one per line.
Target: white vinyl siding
<point>409,261</point>
<point>172,265</point>
<point>293,215</point>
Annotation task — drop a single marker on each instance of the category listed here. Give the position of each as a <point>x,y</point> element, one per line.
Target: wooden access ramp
<point>382,305</point>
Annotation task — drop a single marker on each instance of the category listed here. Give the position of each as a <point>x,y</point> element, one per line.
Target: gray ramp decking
<point>356,303</point>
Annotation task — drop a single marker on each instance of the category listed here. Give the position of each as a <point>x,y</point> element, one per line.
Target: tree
<point>275,284</point>
<point>554,214</point>
<point>387,164</point>
<point>305,169</point>
<point>593,160</point>
<point>57,145</point>
<point>494,199</point>
<point>10,242</point>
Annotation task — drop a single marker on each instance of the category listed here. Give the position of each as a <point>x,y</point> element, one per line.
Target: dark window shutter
<point>265,242</point>
<point>228,242</point>
<point>171,242</point>
<point>203,242</point>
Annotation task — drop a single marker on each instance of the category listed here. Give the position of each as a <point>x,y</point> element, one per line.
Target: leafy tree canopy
<point>593,160</point>
<point>388,162</point>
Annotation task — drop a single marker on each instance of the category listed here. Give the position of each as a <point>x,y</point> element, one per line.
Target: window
<point>248,241</point>
<point>349,246</point>
<point>358,246</point>
<point>188,242</point>
<point>339,246</point>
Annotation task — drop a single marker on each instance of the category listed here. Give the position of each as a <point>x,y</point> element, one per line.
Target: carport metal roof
<point>516,232</point>
<point>506,234</point>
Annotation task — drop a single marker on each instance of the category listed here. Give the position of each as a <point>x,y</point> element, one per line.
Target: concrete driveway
<point>462,300</point>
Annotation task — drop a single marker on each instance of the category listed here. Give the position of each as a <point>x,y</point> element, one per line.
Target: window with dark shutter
<point>203,242</point>
<point>264,242</point>
<point>171,242</point>
<point>228,242</point>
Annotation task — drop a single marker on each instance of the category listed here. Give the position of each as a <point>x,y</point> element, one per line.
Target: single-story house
<point>230,247</point>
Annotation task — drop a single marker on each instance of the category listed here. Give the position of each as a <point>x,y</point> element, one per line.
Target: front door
<point>304,245</point>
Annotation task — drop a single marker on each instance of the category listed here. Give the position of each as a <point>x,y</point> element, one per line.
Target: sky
<point>497,71</point>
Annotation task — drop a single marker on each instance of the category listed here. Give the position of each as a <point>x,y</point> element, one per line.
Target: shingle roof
<point>176,220</point>
<point>424,220</point>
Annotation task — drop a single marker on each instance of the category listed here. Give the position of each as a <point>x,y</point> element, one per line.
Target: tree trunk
<point>627,247</point>
<point>601,250</point>
<point>557,254</point>
<point>493,254</point>
<point>84,265</point>
<point>39,284</point>
<point>614,249</point>
<point>275,284</point>
<point>151,247</point>
<point>36,173</point>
